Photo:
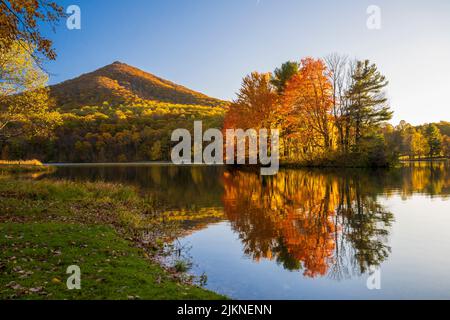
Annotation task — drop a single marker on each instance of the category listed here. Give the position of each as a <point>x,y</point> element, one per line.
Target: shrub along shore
<point>108,230</point>
<point>29,166</point>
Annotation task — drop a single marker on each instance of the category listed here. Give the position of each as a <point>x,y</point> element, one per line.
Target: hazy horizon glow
<point>209,46</point>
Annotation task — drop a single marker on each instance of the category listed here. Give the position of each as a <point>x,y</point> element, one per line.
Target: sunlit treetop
<point>20,20</point>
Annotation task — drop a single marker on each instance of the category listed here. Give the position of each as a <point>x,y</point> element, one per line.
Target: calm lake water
<point>305,234</point>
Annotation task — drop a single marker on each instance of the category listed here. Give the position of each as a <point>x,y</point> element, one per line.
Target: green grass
<point>46,226</point>
<point>35,257</point>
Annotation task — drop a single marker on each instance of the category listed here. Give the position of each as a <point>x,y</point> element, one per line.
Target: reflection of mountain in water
<point>175,187</point>
<point>191,221</point>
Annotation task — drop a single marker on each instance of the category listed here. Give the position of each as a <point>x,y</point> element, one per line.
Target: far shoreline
<point>282,165</point>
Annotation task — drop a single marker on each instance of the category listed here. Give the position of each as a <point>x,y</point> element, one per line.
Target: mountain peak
<point>117,63</point>
<point>119,83</point>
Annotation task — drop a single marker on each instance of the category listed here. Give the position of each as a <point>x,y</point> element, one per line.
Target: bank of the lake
<point>30,166</point>
<point>47,226</point>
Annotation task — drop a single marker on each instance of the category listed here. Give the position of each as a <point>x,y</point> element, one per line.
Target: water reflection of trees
<point>324,222</point>
<point>321,223</point>
<point>429,178</point>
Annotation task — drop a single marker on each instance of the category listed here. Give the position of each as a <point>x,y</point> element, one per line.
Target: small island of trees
<point>332,112</point>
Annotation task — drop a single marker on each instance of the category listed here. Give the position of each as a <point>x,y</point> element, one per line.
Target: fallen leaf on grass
<point>15,286</point>
<point>56,281</point>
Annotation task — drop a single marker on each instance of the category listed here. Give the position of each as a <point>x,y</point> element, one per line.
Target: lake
<point>305,234</point>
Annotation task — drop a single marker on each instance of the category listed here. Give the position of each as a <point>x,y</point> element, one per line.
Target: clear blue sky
<point>209,45</point>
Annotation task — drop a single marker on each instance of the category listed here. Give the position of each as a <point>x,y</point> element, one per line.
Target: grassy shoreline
<point>47,226</point>
<point>29,166</point>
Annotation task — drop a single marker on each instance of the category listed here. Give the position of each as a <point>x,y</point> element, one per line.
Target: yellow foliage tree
<point>24,97</point>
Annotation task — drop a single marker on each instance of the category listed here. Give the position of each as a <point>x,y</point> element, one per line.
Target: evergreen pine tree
<point>434,138</point>
<point>368,103</point>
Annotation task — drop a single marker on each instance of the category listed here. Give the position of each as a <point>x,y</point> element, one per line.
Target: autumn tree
<point>21,22</point>
<point>446,146</point>
<point>444,128</point>
<point>255,106</point>
<point>418,144</point>
<point>308,104</point>
<point>24,98</point>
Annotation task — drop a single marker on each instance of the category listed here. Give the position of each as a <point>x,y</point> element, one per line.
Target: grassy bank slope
<point>47,226</point>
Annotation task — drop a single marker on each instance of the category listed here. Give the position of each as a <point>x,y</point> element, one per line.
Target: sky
<point>210,45</point>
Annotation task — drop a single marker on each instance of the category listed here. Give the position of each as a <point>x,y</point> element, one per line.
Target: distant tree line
<point>419,142</point>
<point>123,133</point>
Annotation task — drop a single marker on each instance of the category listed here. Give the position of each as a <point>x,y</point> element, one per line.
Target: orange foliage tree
<point>255,106</point>
<point>307,106</point>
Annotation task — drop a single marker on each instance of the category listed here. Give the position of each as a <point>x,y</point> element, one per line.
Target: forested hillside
<point>116,114</point>
<point>105,133</point>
